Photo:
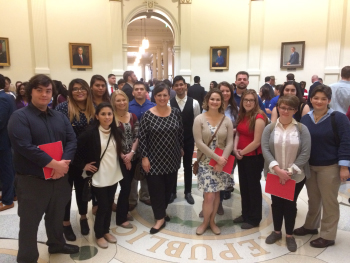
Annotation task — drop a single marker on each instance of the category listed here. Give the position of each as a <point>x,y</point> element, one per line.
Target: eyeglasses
<point>286,109</point>
<point>249,101</point>
<point>76,90</point>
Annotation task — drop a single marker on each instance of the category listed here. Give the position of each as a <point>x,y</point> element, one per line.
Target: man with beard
<point>130,79</point>
<point>242,81</point>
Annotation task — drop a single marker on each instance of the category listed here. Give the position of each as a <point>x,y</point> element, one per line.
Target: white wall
<point>212,23</point>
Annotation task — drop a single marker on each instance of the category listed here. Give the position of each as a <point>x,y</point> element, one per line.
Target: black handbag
<point>86,195</point>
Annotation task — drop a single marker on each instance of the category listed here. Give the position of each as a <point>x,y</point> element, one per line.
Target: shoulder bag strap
<point>212,138</point>
<point>110,135</point>
<point>335,128</point>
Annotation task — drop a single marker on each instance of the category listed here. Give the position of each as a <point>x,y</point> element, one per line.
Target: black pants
<point>37,197</point>
<point>125,187</point>
<point>105,199</point>
<point>187,163</point>
<point>283,208</point>
<point>7,176</point>
<point>249,171</point>
<point>160,187</point>
<point>76,178</point>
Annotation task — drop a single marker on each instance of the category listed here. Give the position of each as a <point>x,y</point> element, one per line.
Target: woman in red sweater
<point>251,123</point>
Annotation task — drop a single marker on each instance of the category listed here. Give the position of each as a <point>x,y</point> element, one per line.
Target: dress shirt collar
<point>311,114</point>
<point>37,111</point>
<point>178,99</point>
<point>294,122</point>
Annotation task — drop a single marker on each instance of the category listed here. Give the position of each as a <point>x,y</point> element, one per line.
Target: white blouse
<point>109,172</point>
<point>286,144</point>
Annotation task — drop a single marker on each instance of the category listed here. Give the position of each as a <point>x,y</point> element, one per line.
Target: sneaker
<point>273,237</point>
<point>238,220</point>
<point>291,244</point>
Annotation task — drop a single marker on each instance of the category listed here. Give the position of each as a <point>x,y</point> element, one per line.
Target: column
<point>37,9</point>
<point>125,57</point>
<point>176,61</point>
<point>143,70</point>
<point>154,66</point>
<point>256,22</point>
<point>165,59</point>
<point>185,55</point>
<point>334,40</point>
<point>116,38</point>
<point>159,64</point>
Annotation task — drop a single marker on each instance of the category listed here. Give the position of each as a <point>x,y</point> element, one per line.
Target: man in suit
<point>268,84</point>
<point>130,79</point>
<point>189,109</point>
<point>79,58</point>
<point>294,57</point>
<point>7,172</point>
<point>197,92</point>
<point>315,83</point>
<point>112,86</point>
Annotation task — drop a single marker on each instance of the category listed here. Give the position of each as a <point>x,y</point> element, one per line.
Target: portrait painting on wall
<point>292,54</point>
<point>4,52</point>
<point>219,57</point>
<point>80,55</point>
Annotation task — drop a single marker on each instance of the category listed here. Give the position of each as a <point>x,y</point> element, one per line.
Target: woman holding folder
<point>286,146</point>
<point>212,129</point>
<point>80,111</point>
<point>98,153</point>
<point>251,123</point>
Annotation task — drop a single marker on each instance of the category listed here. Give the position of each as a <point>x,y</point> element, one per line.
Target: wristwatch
<point>133,151</point>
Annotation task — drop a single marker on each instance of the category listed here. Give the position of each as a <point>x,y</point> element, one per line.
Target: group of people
<point>110,133</point>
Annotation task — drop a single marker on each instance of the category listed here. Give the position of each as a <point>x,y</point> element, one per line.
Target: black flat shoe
<point>66,249</point>
<point>172,198</point>
<point>68,233</point>
<point>84,226</point>
<point>155,231</point>
<point>167,218</point>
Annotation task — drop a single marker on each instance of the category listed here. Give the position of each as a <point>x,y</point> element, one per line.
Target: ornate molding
<point>185,1</point>
<point>150,4</point>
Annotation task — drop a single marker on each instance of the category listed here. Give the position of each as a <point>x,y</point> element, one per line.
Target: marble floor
<point>178,242</point>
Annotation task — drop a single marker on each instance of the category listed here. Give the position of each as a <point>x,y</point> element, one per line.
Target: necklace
<point>319,117</point>
<point>80,109</point>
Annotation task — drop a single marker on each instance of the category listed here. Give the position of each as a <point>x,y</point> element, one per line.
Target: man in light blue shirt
<point>341,92</point>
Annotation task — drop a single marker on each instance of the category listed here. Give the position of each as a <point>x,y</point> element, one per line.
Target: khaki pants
<point>143,193</point>
<point>322,189</point>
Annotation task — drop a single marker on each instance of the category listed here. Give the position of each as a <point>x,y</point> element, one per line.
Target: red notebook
<point>274,187</point>
<point>54,150</point>
<point>229,165</point>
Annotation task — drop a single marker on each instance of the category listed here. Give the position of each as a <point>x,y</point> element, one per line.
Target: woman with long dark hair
<point>21,99</point>
<point>98,154</point>
<point>80,111</point>
<point>290,88</point>
<point>251,123</point>
<point>213,85</point>
<point>98,86</point>
<point>61,94</point>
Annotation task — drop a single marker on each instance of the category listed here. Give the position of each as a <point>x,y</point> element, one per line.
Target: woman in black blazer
<point>98,154</point>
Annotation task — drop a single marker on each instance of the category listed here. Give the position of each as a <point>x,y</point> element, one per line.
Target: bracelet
<point>132,151</point>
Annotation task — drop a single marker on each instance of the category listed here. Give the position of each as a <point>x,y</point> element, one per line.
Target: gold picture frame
<point>77,60</point>
<point>4,52</point>
<point>219,57</point>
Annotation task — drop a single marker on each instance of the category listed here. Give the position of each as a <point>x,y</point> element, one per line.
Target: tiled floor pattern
<point>178,242</point>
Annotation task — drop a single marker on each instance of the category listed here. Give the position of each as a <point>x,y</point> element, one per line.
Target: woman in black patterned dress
<point>161,146</point>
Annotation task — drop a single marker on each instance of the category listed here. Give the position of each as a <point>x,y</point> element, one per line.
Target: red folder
<point>229,165</point>
<point>274,187</point>
<point>55,151</point>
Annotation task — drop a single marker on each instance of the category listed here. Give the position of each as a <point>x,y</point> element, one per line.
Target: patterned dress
<point>208,180</point>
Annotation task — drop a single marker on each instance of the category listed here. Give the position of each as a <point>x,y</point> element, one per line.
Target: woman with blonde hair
<point>80,111</point>
<point>250,126</point>
<point>128,124</point>
<point>212,129</point>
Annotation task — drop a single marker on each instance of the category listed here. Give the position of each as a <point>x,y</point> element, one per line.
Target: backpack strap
<point>335,129</point>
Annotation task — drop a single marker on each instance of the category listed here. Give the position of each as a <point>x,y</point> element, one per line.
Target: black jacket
<point>198,93</point>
